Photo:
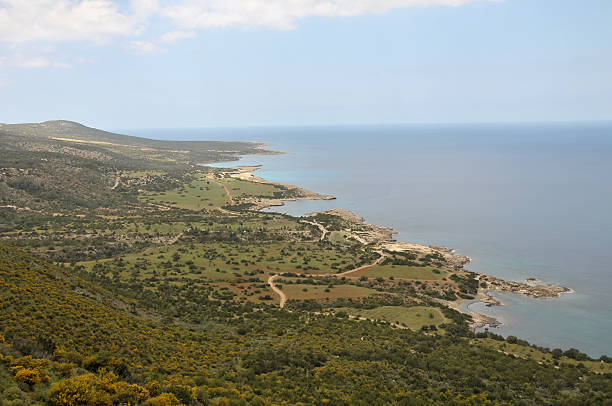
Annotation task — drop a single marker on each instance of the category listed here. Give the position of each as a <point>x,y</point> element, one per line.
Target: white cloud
<point>30,62</point>
<point>61,20</point>
<point>97,20</point>
<point>177,35</point>
<point>85,60</point>
<point>280,14</point>
<point>145,8</point>
<point>145,47</point>
<point>50,21</point>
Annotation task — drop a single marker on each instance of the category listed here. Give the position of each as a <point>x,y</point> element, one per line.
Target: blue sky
<point>190,63</point>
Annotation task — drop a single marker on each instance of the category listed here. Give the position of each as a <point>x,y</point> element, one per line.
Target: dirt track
<point>227,192</point>
<point>361,268</point>
<point>283,297</point>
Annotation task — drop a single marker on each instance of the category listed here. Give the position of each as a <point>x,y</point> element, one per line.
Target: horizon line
<point>399,124</point>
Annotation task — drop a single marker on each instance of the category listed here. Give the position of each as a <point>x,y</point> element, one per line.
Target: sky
<point>200,63</point>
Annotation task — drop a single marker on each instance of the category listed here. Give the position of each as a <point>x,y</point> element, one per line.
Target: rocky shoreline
<point>259,203</point>
<point>531,287</point>
<point>488,282</point>
<point>383,237</point>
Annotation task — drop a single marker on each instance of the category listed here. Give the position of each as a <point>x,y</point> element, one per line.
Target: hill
<point>69,131</point>
<point>59,165</point>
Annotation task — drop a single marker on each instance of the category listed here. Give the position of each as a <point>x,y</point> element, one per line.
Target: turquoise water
<point>520,200</point>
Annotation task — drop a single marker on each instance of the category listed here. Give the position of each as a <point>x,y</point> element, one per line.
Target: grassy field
<point>241,188</point>
<point>305,292</point>
<point>305,257</point>
<point>228,261</point>
<point>532,353</point>
<point>154,229</point>
<point>140,174</point>
<point>251,292</point>
<point>256,222</point>
<point>403,272</point>
<point>339,237</point>
<point>413,317</point>
<point>200,193</point>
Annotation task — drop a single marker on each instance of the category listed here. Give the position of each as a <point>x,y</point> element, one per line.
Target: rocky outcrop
<point>539,291</point>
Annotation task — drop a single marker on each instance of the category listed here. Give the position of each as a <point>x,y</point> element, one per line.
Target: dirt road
<point>323,229</point>
<point>227,192</point>
<point>361,268</point>
<point>283,297</point>
<point>117,178</point>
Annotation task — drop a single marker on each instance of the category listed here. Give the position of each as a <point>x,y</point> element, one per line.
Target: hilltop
<point>59,165</point>
<point>76,133</point>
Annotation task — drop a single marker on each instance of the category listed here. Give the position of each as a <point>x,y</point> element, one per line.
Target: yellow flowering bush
<point>29,370</point>
<point>29,376</point>
<point>92,390</point>
<point>153,387</point>
<point>165,399</point>
<point>80,390</point>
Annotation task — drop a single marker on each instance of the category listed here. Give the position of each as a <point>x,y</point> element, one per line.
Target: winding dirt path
<point>324,231</point>
<point>283,297</point>
<point>175,239</point>
<point>117,178</point>
<point>361,268</point>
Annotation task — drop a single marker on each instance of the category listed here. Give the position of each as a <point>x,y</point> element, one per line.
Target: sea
<point>521,200</point>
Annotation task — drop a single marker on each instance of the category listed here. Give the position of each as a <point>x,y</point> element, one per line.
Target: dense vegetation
<point>130,275</point>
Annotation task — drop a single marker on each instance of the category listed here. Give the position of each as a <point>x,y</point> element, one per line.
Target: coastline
<point>246,173</point>
<point>383,238</point>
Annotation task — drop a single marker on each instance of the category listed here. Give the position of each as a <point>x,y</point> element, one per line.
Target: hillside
<point>248,355</point>
<point>59,165</point>
<point>69,131</point>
